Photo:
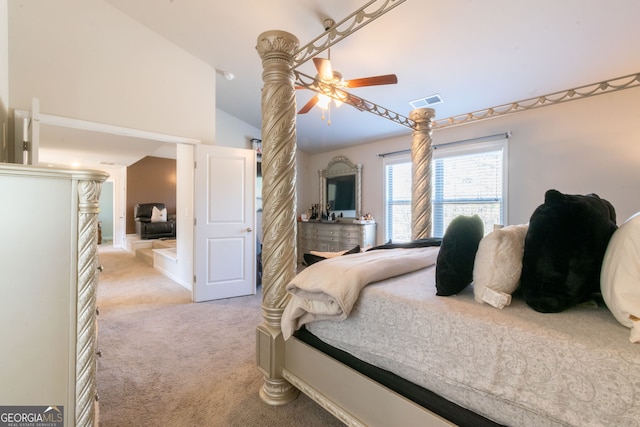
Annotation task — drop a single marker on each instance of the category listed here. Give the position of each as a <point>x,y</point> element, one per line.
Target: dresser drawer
<point>327,246</point>
<point>327,230</point>
<point>305,232</point>
<point>335,237</point>
<point>346,241</point>
<point>350,229</point>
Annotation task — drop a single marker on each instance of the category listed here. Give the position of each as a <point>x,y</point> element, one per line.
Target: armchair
<point>150,226</point>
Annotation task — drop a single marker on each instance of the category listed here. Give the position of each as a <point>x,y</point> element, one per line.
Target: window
<point>397,172</point>
<point>466,179</point>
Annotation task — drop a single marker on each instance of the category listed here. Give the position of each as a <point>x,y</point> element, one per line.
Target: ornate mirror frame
<point>341,166</point>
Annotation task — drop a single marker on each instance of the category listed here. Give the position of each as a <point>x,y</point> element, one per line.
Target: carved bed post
<point>88,209</point>
<point>276,48</point>
<point>421,184</point>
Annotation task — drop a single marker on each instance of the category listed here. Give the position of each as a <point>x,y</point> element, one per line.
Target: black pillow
<point>418,243</point>
<point>312,259</point>
<point>564,249</point>
<point>454,265</point>
<point>353,251</point>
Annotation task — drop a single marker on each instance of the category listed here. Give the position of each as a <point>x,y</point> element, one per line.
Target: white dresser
<point>48,281</point>
<point>333,236</point>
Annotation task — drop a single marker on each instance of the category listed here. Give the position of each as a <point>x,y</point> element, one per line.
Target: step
<point>163,244</point>
<point>145,255</point>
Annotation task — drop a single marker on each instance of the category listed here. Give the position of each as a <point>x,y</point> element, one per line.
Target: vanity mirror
<point>341,187</point>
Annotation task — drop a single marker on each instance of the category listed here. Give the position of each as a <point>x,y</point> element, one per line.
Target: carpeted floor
<point>169,362</point>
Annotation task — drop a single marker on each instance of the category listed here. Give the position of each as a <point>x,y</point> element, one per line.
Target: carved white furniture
<point>333,236</point>
<point>48,289</point>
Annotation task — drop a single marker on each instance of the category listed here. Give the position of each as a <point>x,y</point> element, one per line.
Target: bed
<point>513,366</point>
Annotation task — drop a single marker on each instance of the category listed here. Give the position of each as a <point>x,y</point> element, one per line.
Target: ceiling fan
<point>329,77</point>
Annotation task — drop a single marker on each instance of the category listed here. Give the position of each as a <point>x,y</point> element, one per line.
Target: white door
<point>225,240</point>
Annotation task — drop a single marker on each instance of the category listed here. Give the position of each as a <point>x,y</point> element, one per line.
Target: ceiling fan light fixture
<point>323,101</point>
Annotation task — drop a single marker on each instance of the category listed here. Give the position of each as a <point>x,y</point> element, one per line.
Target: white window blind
<point>466,179</point>
<point>398,198</point>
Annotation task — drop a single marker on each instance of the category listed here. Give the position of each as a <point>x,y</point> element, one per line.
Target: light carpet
<point>169,362</point>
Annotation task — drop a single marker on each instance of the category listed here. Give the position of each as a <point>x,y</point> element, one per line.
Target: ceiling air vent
<point>427,101</point>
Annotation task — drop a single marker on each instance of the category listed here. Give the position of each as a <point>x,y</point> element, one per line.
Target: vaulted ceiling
<point>474,54</point>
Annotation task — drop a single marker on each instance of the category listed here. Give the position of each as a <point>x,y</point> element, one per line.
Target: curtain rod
<point>506,135</point>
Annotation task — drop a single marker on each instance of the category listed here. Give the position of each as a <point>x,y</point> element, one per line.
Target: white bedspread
<point>515,365</point>
<point>327,290</point>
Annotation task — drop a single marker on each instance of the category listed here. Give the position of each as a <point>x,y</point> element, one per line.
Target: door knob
<point>249,229</point>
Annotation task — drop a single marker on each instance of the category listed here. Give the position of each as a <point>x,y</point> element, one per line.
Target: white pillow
<point>498,264</point>
<point>158,215</point>
<point>620,276</point>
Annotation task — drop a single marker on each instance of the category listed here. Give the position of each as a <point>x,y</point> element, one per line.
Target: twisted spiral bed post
<point>88,208</point>
<point>276,49</point>
<point>421,185</point>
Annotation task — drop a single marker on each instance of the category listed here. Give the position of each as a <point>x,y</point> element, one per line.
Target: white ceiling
<point>63,145</point>
<point>474,53</point>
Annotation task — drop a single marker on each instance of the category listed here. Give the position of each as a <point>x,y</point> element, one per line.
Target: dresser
<point>48,280</point>
<point>333,236</point>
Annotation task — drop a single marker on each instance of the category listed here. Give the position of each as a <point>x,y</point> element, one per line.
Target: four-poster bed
<point>333,379</point>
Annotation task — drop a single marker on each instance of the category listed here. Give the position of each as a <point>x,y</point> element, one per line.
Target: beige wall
<point>150,180</point>
<point>582,146</point>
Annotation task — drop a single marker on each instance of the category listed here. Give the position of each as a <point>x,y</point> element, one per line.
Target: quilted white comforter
<point>515,366</point>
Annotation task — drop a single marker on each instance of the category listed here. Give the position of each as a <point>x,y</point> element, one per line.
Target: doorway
<point>106,214</point>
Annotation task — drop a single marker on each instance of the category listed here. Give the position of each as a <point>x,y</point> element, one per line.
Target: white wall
<point>233,132</point>
<point>584,146</point>
<point>85,59</point>
<point>185,214</point>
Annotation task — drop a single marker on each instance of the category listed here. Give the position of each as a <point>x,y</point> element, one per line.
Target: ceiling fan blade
<point>309,105</point>
<point>386,79</point>
<point>323,66</point>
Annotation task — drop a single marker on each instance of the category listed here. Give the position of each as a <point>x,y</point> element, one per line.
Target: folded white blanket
<point>328,254</point>
<point>327,290</point>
